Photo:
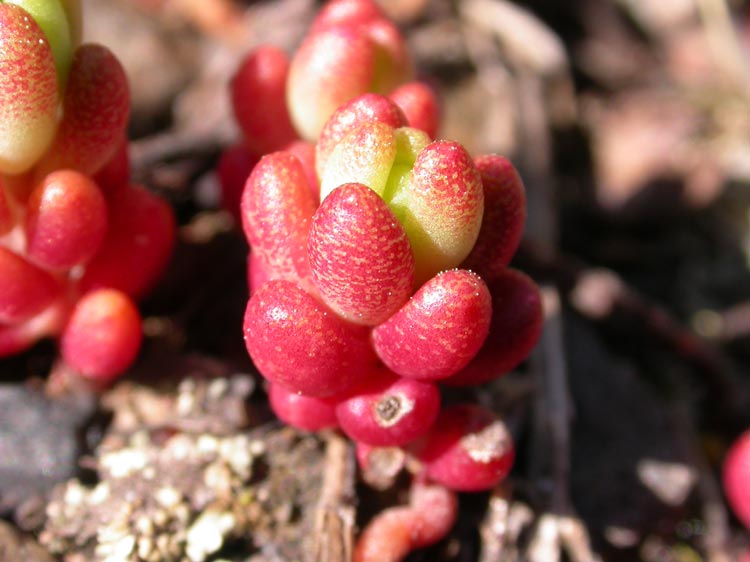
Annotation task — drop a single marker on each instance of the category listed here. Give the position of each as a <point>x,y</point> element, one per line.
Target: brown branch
<point>550,456</point>
<point>333,534</point>
<point>502,526</point>
<point>494,527</point>
<point>557,528</point>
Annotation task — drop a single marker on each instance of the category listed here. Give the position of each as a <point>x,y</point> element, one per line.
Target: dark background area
<point>629,121</point>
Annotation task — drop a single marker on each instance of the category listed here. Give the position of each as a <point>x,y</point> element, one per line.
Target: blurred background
<point>629,121</point>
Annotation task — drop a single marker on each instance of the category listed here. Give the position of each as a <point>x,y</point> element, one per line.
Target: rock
<point>16,547</point>
<point>182,477</point>
<point>41,440</point>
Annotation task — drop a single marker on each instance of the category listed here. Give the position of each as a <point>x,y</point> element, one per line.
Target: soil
<point>629,122</point>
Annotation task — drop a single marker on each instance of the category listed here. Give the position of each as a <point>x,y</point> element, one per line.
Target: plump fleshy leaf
<point>517,320</point>
<point>232,171</point>
<point>420,105</point>
<point>66,220</point>
<point>394,532</point>
<point>103,335</point>
<point>330,68</point>
<point>360,257</point>
<point>469,449</point>
<point>52,17</point>
<point>28,91</point>
<point>25,290</point>
<point>346,12</point>
<point>503,220</point>
<point>138,244</point>
<point>389,411</point>
<point>363,109</point>
<point>277,207</point>
<point>735,477</point>
<point>96,108</point>
<point>445,206</point>
<point>365,156</point>
<point>308,413</point>
<point>258,91</point>
<point>297,342</point>
<point>439,330</point>
<point>7,220</point>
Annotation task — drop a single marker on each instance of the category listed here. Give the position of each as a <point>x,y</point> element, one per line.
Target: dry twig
<point>334,520</point>
<point>502,526</point>
<point>557,529</point>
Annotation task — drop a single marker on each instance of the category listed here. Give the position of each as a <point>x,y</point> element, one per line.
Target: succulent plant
<point>78,242</point>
